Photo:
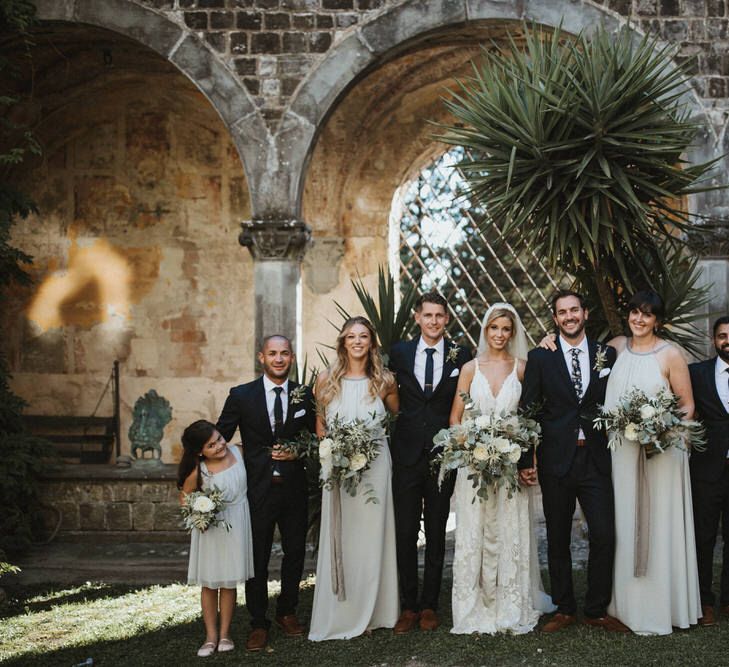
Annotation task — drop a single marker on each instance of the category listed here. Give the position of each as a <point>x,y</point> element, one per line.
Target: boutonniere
<point>452,353</point>
<point>298,394</point>
<point>600,358</point>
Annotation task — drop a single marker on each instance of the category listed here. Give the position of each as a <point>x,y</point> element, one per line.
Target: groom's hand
<point>280,455</point>
<point>528,476</point>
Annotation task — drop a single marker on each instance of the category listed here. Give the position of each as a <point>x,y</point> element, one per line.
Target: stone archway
<point>190,55</point>
<point>416,24</point>
<point>139,189</point>
<point>369,139</point>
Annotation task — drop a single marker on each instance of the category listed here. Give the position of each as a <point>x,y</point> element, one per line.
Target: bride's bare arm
<point>392,398</point>
<point>464,384</point>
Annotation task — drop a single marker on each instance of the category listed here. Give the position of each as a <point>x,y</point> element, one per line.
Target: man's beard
<point>723,353</point>
<point>570,336</point>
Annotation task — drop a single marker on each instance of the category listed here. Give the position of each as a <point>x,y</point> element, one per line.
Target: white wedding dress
<point>667,595</point>
<point>497,584</point>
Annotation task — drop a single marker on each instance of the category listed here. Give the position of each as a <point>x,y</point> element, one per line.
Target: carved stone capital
<point>710,239</point>
<point>275,239</point>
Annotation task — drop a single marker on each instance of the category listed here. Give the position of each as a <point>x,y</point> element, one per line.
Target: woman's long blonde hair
<point>380,377</point>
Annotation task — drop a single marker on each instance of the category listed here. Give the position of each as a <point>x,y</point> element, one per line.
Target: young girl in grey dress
<point>220,559</point>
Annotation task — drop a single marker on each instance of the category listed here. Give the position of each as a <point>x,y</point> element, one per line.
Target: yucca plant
<point>390,322</point>
<point>575,144</point>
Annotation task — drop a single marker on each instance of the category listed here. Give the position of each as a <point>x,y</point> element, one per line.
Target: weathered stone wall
<point>273,44</point>
<point>104,502</point>
<point>140,192</point>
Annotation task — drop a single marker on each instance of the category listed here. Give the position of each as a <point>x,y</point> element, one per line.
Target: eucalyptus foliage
<point>576,145</point>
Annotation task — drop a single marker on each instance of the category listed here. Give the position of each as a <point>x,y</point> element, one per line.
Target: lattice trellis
<point>442,248</point>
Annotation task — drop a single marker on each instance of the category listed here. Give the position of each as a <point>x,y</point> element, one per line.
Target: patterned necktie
<point>576,372</point>
<point>428,388</point>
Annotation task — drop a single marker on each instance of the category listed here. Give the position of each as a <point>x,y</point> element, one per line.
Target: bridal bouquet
<point>653,422</point>
<point>490,445</point>
<point>200,510</point>
<point>347,452</point>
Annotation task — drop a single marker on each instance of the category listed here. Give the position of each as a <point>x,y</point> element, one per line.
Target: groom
<point>427,369</point>
<point>710,468</point>
<point>270,409</point>
<point>566,386</point>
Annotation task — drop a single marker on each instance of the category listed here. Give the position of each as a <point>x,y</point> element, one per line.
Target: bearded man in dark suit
<point>267,411</point>
<point>710,469</point>
<point>426,370</point>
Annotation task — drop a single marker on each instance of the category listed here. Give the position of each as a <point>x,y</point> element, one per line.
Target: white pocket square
<point>604,372</point>
<point>454,373</point>
<point>300,413</point>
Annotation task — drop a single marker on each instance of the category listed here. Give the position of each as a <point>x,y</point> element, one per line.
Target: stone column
<point>712,246</point>
<point>278,248</point>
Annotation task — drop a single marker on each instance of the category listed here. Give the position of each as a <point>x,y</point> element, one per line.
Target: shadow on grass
<point>43,597</point>
<point>578,646</point>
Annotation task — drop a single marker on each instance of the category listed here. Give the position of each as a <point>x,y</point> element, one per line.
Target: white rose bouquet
<point>490,445</point>
<point>347,452</point>
<point>652,422</point>
<point>200,510</point>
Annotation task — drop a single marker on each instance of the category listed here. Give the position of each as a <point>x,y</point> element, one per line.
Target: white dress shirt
<point>584,359</point>
<point>421,357</point>
<point>268,387</point>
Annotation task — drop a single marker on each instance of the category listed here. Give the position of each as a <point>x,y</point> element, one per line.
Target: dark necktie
<point>278,423</point>
<point>576,372</point>
<point>428,388</point>
<point>277,413</point>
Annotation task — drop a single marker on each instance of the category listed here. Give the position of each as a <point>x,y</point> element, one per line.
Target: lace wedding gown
<point>668,594</point>
<point>497,585</point>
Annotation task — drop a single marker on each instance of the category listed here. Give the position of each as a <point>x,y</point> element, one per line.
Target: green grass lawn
<point>161,625</point>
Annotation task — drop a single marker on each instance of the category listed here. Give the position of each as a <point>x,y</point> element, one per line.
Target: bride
<point>496,581</point>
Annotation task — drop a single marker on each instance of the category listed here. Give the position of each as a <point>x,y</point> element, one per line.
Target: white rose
<point>483,421</point>
<point>357,462</point>
<point>631,432</point>
<point>501,445</point>
<point>203,504</point>
<point>480,453</point>
<point>325,448</point>
<point>647,412</point>
<point>515,454</point>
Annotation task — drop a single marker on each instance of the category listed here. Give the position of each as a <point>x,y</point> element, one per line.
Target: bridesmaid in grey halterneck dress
<point>357,592</point>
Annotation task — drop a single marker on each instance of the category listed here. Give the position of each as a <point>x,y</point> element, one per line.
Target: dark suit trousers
<point>711,502</point>
<point>594,490</point>
<point>288,509</point>
<point>415,494</point>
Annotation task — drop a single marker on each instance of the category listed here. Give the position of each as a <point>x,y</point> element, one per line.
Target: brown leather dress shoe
<point>406,622</point>
<point>290,625</point>
<point>708,616</point>
<point>257,640</point>
<point>558,622</point>
<point>609,623</point>
<point>428,620</point>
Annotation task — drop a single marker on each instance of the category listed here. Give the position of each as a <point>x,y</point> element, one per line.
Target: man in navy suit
<point>566,385</point>
<point>269,410</point>
<point>710,468</point>
<point>426,369</point>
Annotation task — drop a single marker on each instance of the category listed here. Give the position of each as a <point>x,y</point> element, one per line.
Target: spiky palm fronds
<point>576,146</point>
